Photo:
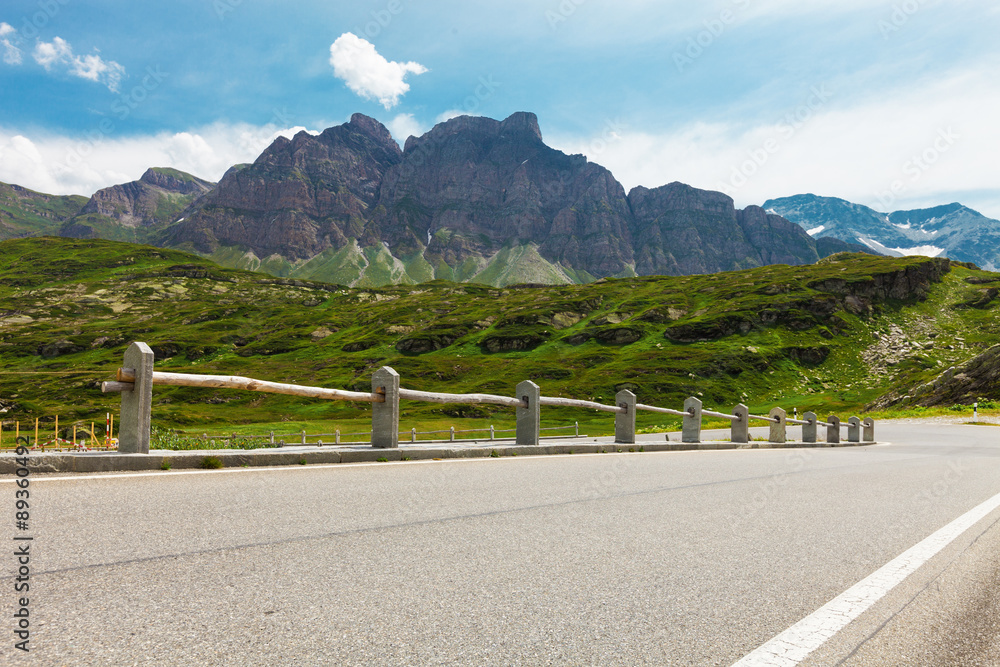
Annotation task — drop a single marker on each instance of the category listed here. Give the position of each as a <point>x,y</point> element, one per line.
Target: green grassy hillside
<point>24,212</point>
<point>830,337</point>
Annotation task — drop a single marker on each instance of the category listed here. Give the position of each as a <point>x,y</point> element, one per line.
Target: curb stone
<point>90,462</point>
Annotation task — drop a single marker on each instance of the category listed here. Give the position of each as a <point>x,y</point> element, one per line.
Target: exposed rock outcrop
<point>974,380</point>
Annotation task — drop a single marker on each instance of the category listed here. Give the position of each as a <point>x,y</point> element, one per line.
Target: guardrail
<point>136,378</point>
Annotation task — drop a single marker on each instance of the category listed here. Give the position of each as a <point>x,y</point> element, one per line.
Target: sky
<point>892,104</point>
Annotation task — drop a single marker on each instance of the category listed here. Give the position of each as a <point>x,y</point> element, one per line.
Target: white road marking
<point>793,645</point>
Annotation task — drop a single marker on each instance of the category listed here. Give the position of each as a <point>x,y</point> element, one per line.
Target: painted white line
<point>793,645</point>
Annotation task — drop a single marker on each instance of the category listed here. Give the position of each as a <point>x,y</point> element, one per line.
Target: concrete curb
<point>89,462</point>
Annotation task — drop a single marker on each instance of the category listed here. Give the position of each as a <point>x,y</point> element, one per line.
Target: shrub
<point>211,462</point>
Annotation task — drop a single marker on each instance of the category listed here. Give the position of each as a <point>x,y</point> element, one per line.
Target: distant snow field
<point>920,250</point>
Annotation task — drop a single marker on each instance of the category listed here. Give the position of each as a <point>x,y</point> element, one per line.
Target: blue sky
<point>891,104</point>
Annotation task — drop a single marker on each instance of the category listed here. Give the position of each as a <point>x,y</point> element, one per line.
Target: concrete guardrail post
<point>854,429</point>
<point>809,429</point>
<point>528,418</point>
<point>869,430</point>
<point>779,432</point>
<point>137,404</point>
<point>625,421</point>
<point>741,425</point>
<point>385,416</point>
<point>833,430</point>
<point>692,421</point>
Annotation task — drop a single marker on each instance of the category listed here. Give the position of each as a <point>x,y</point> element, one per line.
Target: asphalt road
<point>681,558</point>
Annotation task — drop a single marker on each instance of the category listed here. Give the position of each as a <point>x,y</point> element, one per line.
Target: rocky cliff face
<point>683,230</point>
<point>975,380</point>
<point>472,186</point>
<point>301,197</point>
<point>133,211</point>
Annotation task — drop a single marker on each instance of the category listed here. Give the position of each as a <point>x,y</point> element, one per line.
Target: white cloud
<point>91,67</point>
<point>367,73</point>
<point>11,54</point>
<point>935,141</point>
<point>403,126</point>
<point>48,54</point>
<point>65,165</point>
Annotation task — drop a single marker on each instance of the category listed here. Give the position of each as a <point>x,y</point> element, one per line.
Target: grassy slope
<point>34,213</point>
<point>73,306</point>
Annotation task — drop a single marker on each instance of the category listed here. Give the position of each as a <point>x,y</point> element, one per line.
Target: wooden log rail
<point>135,380</point>
<point>126,378</point>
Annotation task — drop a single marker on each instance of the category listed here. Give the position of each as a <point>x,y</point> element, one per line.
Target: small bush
<point>494,454</point>
<point>211,462</point>
<point>165,464</point>
<point>381,459</point>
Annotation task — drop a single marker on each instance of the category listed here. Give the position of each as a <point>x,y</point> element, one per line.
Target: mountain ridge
<point>954,230</point>
<point>473,199</point>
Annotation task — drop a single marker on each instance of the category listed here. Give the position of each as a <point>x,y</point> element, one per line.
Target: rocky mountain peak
<point>522,122</point>
<point>301,197</point>
<point>371,127</point>
<point>173,180</point>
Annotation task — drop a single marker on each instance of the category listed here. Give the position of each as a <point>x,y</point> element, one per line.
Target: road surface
<point>679,558</point>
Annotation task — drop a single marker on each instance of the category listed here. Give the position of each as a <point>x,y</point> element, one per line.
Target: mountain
<point>136,211</point>
<point>25,212</point>
<point>831,336</point>
<point>953,230</point>
<point>303,196</point>
<point>474,199</point>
